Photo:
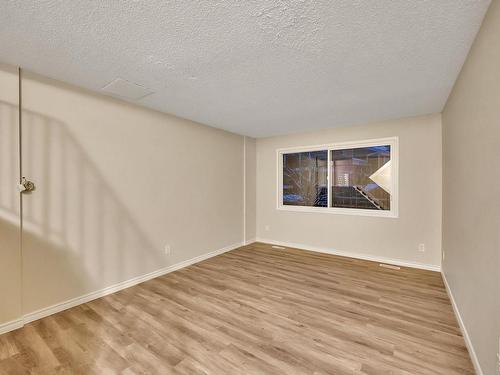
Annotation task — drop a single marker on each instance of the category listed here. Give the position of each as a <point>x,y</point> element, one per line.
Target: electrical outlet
<point>267,228</point>
<point>168,250</point>
<point>421,247</point>
<point>443,254</point>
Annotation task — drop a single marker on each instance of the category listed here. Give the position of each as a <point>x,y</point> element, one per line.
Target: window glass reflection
<point>362,178</point>
<point>305,179</point>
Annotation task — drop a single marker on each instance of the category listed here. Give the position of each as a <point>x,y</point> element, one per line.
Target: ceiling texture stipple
<point>255,67</point>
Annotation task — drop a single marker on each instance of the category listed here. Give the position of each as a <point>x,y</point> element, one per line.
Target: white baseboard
<point>249,241</point>
<point>42,313</point>
<point>11,326</point>
<point>398,262</point>
<point>465,334</point>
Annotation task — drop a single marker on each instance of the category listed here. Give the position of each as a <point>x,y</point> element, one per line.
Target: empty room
<point>250,187</point>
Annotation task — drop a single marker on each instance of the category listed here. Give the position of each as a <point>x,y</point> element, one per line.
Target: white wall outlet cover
<point>421,247</point>
<point>267,227</point>
<point>168,250</point>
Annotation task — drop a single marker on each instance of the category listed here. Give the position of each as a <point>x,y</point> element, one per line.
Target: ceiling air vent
<point>127,90</point>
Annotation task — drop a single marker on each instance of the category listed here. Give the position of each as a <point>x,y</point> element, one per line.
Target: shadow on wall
<point>9,218</point>
<point>78,237</point>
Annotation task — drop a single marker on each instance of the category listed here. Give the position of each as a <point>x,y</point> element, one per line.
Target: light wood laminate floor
<point>254,310</point>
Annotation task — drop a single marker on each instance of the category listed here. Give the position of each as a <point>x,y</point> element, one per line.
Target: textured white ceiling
<point>255,67</point>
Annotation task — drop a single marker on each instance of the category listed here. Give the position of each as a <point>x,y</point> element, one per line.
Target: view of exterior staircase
<point>354,197</point>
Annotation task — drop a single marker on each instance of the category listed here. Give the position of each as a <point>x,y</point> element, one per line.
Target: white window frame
<point>391,141</point>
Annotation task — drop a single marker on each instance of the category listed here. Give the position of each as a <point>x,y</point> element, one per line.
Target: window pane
<point>362,178</point>
<point>305,179</point>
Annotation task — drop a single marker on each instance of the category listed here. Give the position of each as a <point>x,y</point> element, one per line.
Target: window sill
<point>340,211</point>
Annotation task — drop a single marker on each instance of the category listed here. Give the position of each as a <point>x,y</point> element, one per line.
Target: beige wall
<point>10,261</point>
<point>471,183</point>
<point>419,196</point>
<point>115,184</point>
<point>250,188</point>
